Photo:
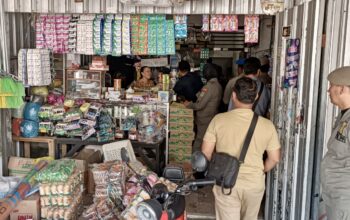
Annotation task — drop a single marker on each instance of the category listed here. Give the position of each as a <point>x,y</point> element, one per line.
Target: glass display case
<point>86,84</point>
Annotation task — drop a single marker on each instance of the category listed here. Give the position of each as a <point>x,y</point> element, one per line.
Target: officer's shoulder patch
<point>341,136</point>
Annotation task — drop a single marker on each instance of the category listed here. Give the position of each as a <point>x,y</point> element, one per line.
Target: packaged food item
<point>57,113</point>
<point>93,111</point>
<point>56,171</point>
<point>97,34</point>
<point>170,37</point>
<point>46,128</point>
<point>117,35</point>
<point>72,115</point>
<point>107,42</point>
<point>180,26</point>
<point>126,44</point>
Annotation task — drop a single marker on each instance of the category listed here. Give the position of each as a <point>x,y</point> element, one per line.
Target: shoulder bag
<point>224,167</point>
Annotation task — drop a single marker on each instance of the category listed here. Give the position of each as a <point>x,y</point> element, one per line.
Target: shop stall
<point>82,108</point>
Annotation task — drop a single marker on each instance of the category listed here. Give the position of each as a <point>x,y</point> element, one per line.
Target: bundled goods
<point>161,35</point>
<point>181,133</point>
<point>151,126</point>
<point>135,34</point>
<point>143,35</point>
<point>105,127</point>
<point>126,44</point>
<point>180,26</point>
<point>85,34</point>
<point>107,35</point>
<point>48,115</point>
<point>57,171</point>
<point>93,112</point>
<point>251,29</point>
<point>52,32</point>
<point>45,113</point>
<point>217,23</point>
<point>97,34</point>
<point>46,128</point>
<point>228,23</point>
<point>58,113</point>
<point>72,33</point>
<point>109,179</point>
<point>117,35</point>
<point>170,37</point>
<point>61,186</point>
<point>22,66</point>
<point>72,126</point>
<point>206,23</point>
<point>152,35</point>
<point>34,67</point>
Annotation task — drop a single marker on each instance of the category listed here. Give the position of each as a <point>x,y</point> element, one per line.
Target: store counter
<point>152,155</point>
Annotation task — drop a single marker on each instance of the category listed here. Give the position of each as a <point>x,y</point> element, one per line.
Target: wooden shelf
<point>91,80</point>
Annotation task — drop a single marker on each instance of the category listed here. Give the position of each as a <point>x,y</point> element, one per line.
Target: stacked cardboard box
<point>181,133</point>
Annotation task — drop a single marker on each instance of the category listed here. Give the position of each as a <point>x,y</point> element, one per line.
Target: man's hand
<point>273,157</point>
<point>186,103</point>
<point>208,149</point>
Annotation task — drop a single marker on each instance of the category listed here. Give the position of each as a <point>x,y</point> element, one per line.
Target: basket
<point>112,151</point>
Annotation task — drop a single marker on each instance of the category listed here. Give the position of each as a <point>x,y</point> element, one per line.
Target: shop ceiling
<point>115,6</point>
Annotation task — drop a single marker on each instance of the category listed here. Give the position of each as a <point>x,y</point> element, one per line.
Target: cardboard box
<point>184,135</point>
<point>181,126</point>
<point>82,161</point>
<point>28,209</point>
<point>19,166</point>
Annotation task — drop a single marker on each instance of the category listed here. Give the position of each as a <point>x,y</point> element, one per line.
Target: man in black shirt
<point>188,84</point>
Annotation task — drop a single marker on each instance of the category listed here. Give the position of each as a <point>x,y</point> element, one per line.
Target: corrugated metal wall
<point>294,113</point>
<point>336,54</point>
<point>5,114</point>
<point>115,6</point>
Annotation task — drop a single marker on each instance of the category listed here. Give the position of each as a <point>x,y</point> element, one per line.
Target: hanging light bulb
<point>271,7</point>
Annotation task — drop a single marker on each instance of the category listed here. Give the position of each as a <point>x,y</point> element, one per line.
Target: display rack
<point>84,84</point>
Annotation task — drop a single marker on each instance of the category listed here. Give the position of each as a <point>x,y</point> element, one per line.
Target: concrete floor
<point>200,204</point>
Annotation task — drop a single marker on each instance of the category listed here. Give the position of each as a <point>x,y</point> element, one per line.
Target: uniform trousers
<point>242,204</point>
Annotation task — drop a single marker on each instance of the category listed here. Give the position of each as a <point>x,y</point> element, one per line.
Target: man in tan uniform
<point>207,104</point>
<point>335,166</point>
<point>226,133</point>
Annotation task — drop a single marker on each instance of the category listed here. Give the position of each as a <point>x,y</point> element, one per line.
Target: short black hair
<point>209,71</point>
<point>246,90</point>
<point>144,67</point>
<point>251,65</point>
<point>184,66</point>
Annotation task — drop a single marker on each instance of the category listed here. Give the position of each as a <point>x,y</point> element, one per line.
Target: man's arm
<point>273,157</point>
<point>207,149</point>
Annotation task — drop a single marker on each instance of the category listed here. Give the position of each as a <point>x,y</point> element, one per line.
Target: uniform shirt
<point>228,131</point>
<point>207,104</point>
<point>188,86</point>
<point>263,105</point>
<point>335,166</point>
<point>229,89</point>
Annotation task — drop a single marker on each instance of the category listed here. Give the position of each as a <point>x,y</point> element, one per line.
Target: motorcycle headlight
<point>149,209</point>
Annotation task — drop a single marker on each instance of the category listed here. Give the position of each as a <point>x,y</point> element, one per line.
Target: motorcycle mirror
<point>199,161</point>
<point>124,155</point>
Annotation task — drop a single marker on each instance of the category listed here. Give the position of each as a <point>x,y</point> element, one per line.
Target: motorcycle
<point>165,205</point>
